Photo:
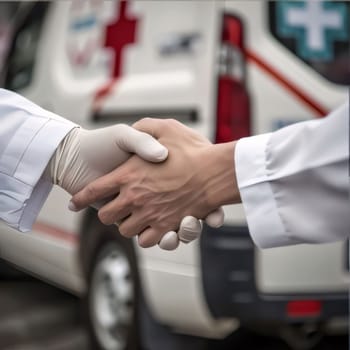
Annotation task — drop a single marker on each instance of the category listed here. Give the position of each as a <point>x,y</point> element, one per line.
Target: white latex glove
<point>85,155</point>
<point>190,229</point>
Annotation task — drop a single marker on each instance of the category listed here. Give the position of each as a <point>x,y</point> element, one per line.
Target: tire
<point>111,303</point>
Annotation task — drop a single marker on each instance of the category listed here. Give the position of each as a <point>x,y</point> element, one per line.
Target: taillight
<point>233,105</point>
<point>304,308</point>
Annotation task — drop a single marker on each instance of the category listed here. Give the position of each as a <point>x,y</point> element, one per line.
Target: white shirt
<point>294,182</point>
<point>29,135</point>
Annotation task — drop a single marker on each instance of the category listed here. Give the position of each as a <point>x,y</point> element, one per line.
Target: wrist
<point>221,187</point>
<point>60,163</point>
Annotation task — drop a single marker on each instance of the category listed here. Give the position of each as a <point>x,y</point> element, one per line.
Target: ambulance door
<point>312,44</point>
<point>298,69</point>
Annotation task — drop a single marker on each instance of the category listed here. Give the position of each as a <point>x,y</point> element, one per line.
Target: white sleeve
<point>294,182</point>
<point>29,135</point>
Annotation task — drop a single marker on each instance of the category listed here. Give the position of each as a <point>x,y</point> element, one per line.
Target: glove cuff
<point>63,157</point>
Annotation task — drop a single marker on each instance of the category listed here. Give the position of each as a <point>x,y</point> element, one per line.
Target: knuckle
<point>146,120</point>
<point>122,203</point>
<point>143,243</point>
<point>91,192</point>
<point>172,122</point>
<point>121,127</point>
<point>139,200</point>
<point>129,198</point>
<point>162,225</point>
<point>142,122</point>
<point>125,232</point>
<point>135,199</point>
<point>150,217</point>
<point>166,223</point>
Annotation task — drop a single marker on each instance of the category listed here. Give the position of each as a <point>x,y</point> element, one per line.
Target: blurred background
<point>228,69</point>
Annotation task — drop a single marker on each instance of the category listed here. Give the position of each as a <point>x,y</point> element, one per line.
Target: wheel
<point>118,318</point>
<point>111,303</point>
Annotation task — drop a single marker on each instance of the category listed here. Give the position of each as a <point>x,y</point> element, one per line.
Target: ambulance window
<point>21,59</point>
<point>323,44</point>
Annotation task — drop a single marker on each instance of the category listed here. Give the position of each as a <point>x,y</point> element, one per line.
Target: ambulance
<point>227,69</point>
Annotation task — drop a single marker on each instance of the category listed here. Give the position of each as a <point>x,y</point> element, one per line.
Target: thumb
<point>144,145</point>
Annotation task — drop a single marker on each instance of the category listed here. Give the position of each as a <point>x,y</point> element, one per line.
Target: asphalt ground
<point>37,316</point>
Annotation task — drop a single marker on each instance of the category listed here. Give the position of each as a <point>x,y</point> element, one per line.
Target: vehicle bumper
<point>229,279</point>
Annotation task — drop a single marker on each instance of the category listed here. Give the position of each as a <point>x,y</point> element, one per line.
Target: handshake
<point>156,180</point>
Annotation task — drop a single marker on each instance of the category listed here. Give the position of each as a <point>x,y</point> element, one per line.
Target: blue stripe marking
<point>84,23</point>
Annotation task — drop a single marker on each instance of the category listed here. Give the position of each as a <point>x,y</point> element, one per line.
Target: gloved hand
<point>85,155</point>
<point>190,229</point>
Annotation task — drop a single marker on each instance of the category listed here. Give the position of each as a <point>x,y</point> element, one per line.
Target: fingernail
<point>72,207</point>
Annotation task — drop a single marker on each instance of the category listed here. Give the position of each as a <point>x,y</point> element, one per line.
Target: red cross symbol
<point>119,34</point>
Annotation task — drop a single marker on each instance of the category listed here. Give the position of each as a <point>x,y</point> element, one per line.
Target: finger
<point>114,212</point>
<point>149,237</point>
<point>132,226</point>
<point>216,218</point>
<point>170,241</point>
<point>103,187</point>
<point>120,220</point>
<point>190,229</point>
<point>101,203</point>
<point>141,143</point>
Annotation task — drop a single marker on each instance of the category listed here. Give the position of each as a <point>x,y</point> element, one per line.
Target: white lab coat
<point>29,135</point>
<point>294,182</point>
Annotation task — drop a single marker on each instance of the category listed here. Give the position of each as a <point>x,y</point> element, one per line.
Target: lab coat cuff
<point>56,131</point>
<point>265,225</point>
<point>29,188</point>
<point>20,203</point>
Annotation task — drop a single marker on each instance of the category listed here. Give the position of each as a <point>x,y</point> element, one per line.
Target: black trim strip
<point>182,115</point>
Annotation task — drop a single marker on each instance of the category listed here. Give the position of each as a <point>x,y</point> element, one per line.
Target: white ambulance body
<point>227,69</point>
